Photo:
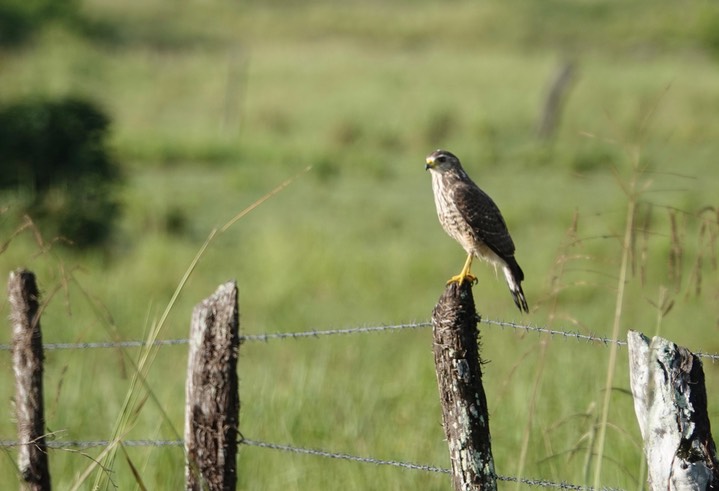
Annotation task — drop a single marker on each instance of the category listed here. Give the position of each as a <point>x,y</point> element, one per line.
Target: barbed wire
<point>555,332</point>
<point>342,456</point>
<point>316,333</point>
<point>264,337</point>
<point>578,336</point>
<point>83,445</point>
<point>105,344</point>
<point>332,332</point>
<point>407,465</point>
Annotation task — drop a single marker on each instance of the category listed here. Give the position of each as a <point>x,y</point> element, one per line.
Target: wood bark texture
<point>212,398</point>
<point>670,402</point>
<point>28,358</point>
<point>459,376</point>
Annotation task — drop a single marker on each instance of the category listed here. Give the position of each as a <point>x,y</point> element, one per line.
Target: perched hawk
<point>471,218</point>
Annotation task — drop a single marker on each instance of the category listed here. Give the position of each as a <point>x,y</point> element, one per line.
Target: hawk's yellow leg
<point>464,274</point>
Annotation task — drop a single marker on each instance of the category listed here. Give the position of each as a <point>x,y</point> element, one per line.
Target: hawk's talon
<point>459,279</point>
<point>464,274</point>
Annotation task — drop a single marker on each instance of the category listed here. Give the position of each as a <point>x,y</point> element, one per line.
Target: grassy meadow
<point>216,103</point>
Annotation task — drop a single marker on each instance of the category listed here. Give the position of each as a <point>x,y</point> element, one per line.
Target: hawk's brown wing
<point>484,217</point>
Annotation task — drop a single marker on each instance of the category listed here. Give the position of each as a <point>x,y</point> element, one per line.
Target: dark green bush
<point>21,19</point>
<point>55,155</point>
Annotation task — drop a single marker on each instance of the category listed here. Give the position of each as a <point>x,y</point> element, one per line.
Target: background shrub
<point>21,19</point>
<point>54,155</point>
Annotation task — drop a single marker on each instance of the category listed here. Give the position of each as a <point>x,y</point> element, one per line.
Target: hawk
<point>471,218</point>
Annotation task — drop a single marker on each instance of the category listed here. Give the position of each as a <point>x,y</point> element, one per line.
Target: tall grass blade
<point>619,307</point>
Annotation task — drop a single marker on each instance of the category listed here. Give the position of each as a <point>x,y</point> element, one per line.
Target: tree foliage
<point>53,153</point>
<point>21,19</point>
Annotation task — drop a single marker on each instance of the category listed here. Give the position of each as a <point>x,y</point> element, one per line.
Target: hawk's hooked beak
<point>429,163</point>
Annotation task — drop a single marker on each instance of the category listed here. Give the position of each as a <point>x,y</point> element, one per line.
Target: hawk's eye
<point>441,159</point>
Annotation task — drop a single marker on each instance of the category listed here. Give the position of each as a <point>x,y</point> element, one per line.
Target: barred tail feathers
<point>514,275</point>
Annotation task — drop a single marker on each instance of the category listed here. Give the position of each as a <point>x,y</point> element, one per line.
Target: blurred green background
<point>211,104</point>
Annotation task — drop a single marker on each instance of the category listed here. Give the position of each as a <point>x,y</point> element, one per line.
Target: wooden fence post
<point>459,376</point>
<point>212,400</point>
<point>670,401</point>
<point>27,359</point>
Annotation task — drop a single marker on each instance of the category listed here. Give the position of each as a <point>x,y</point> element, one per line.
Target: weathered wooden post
<point>27,359</point>
<point>670,401</point>
<point>459,376</point>
<point>212,398</point>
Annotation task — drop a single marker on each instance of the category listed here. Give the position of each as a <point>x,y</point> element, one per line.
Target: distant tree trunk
<point>554,100</point>
<point>27,358</point>
<point>459,376</point>
<point>212,399</point>
<point>670,401</point>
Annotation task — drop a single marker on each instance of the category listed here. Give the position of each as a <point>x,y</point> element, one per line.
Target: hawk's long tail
<point>515,275</point>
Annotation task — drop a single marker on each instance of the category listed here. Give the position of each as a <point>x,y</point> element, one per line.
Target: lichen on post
<point>459,377</point>
<point>670,402</point>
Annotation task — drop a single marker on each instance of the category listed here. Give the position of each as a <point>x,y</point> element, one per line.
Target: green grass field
<point>214,104</point>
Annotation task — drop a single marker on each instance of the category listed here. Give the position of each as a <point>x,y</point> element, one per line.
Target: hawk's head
<point>441,161</point>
